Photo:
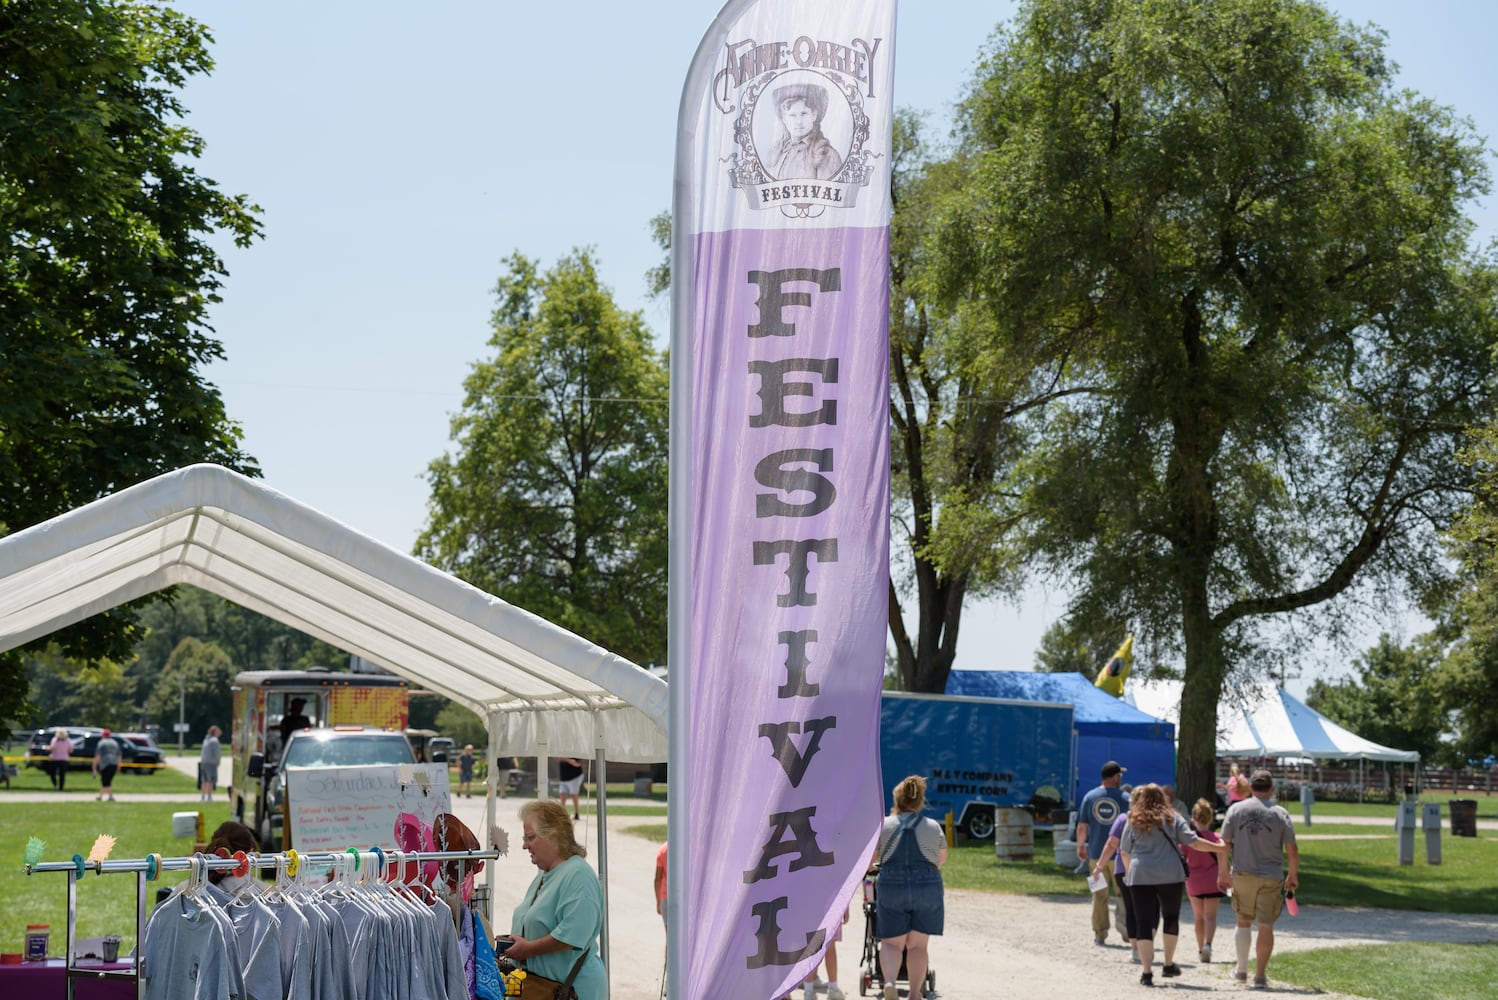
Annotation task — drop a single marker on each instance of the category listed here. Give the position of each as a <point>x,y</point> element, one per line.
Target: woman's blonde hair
<point>1202,814</point>
<point>1148,808</point>
<point>910,795</point>
<point>554,825</point>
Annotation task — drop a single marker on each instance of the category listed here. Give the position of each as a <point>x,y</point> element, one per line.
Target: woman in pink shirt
<point>58,752</point>
<point>1201,881</point>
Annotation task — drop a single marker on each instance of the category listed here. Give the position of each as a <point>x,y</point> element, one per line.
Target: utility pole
<point>181,713</point>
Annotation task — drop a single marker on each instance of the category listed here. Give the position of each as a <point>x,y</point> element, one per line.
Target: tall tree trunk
<point>1196,748</point>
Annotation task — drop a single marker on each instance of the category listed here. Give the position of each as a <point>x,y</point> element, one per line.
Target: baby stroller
<point>870,978</point>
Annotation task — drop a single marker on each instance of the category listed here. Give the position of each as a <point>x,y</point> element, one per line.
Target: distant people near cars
<point>1095,816</point>
<point>208,762</point>
<point>910,904</point>
<point>294,719</point>
<point>58,752</point>
<point>570,778</point>
<point>1261,839</point>
<point>106,764</point>
<point>465,771</point>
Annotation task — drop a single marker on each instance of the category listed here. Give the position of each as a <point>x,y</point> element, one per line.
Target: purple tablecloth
<point>48,981</point>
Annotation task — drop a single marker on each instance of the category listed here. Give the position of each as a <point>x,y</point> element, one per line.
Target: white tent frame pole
<point>491,795</point>
<point>602,797</point>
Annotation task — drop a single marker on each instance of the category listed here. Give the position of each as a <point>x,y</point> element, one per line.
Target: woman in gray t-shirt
<point>1156,872</point>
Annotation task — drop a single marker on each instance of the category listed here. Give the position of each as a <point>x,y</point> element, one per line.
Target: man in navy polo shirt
<point>1099,808</point>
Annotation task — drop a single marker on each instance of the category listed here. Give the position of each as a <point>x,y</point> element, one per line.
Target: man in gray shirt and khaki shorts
<point>1260,836</point>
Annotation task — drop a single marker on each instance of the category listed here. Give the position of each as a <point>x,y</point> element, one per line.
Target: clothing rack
<point>149,868</point>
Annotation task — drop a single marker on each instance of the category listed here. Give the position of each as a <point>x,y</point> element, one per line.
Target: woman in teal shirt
<point>561,915</point>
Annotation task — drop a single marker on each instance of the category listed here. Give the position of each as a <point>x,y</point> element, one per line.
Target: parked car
<point>146,758</point>
<point>138,754</point>
<point>341,746</point>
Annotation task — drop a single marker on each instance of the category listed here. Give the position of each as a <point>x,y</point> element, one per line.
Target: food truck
<point>263,697</point>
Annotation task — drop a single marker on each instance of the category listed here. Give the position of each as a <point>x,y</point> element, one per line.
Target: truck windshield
<point>347,750</point>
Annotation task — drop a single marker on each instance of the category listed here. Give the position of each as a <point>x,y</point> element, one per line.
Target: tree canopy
<point>1252,254</point>
<point>107,269</point>
<point>555,499</point>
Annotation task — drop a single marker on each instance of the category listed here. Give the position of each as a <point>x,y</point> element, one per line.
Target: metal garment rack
<point>147,869</point>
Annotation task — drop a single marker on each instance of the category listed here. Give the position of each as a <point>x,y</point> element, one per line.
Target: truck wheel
<point>979,824</point>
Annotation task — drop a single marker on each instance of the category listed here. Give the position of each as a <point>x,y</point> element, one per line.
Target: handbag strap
<point>899,833</point>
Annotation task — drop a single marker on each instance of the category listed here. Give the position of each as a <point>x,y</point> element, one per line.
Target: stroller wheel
<point>864,982</point>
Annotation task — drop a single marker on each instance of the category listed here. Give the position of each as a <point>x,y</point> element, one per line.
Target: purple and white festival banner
<point>779,487</point>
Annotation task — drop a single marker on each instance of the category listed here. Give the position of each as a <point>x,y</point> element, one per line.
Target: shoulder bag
<point>537,987</point>
<point>1185,868</point>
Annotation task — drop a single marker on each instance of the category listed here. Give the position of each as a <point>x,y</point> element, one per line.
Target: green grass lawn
<point>165,780</point>
<point>106,903</point>
<point>1487,807</point>
<point>1394,972</point>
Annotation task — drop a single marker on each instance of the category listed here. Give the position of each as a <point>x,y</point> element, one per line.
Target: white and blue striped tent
<point>1265,720</point>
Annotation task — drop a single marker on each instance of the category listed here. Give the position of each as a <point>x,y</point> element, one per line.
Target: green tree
<point>957,428</point>
<point>462,725</point>
<point>195,682</point>
<point>251,640</point>
<point>1230,223</point>
<point>68,692</point>
<point>107,268</point>
<point>1388,698</point>
<point>1466,679</point>
<point>556,497</point>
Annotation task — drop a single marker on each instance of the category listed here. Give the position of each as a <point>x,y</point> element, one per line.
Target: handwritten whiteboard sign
<point>333,808</point>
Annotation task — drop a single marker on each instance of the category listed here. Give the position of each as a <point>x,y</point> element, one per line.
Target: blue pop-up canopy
<point>1107,728</point>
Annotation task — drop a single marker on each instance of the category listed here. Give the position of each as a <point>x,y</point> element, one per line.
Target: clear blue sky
<point>400,151</point>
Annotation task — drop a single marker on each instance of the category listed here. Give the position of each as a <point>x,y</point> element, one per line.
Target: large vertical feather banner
<point>779,486</point>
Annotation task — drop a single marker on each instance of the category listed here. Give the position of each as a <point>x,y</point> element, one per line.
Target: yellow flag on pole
<point>1111,677</point>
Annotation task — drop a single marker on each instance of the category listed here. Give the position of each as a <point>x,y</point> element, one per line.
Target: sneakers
<point>1261,982</point>
<point>1205,955</point>
<point>1170,970</point>
<point>1134,957</point>
<point>891,992</point>
<point>1100,942</point>
<point>834,992</point>
<point>1241,977</point>
<point>1146,979</point>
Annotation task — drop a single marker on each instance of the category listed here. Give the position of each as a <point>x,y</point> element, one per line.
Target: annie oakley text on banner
<point>796,492</point>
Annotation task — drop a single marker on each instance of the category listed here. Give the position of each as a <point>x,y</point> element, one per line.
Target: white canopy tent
<point>543,690</point>
<point>1265,720</point>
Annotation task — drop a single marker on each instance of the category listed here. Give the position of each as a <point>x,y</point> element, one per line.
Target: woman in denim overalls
<point>911,851</point>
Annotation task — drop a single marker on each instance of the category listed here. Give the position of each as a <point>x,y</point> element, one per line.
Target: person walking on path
<point>910,899</point>
<point>58,752</point>
<point>1110,854</point>
<point>208,762</point>
<point>1262,841</point>
<point>1095,816</point>
<point>1201,882</point>
<point>106,763</point>
<point>1156,873</point>
<point>570,783</point>
<point>465,771</point>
